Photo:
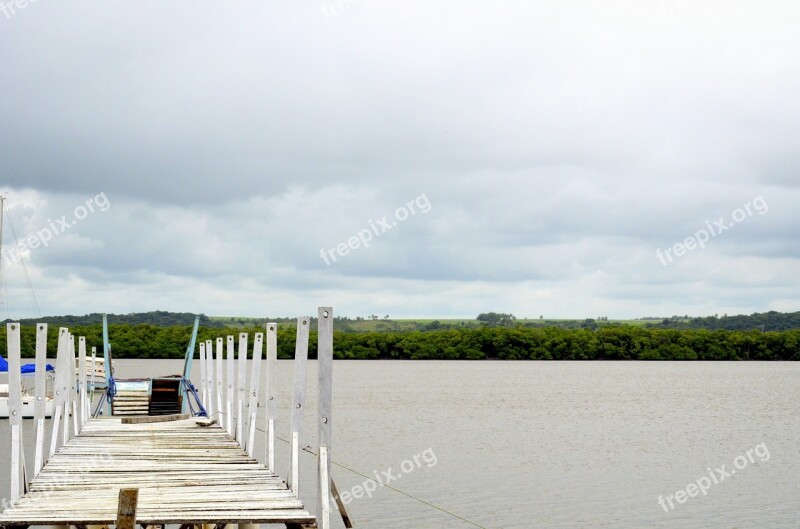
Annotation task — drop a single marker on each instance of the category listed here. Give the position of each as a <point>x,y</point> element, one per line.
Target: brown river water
<point>561,445</point>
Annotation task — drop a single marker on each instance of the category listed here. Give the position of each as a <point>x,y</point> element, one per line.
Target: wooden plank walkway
<point>185,473</point>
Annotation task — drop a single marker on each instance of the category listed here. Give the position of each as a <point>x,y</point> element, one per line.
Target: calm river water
<point>556,444</point>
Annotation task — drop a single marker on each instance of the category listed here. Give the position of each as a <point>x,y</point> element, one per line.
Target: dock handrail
<point>71,396</point>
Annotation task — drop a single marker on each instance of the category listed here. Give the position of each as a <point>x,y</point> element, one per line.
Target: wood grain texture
<point>185,473</point>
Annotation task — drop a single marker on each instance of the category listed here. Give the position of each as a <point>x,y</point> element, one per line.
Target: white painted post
<point>241,386</point>
<point>270,392</point>
<point>211,386</point>
<point>255,382</point>
<point>82,379</point>
<point>15,410</point>
<point>231,383</point>
<point>40,383</point>
<point>324,492</point>
<point>220,380</point>
<point>298,402</point>
<point>325,361</point>
<point>90,404</point>
<point>71,381</point>
<point>58,404</point>
<point>203,374</point>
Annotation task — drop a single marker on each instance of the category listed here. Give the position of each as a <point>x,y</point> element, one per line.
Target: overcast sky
<point>239,156</point>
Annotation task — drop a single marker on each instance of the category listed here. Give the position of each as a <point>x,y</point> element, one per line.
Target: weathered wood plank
<point>185,474</point>
<point>126,512</point>
<point>155,419</point>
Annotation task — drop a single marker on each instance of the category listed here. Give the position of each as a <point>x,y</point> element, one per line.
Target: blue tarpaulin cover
<point>27,368</point>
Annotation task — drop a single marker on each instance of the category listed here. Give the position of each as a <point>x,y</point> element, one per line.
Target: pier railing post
<point>210,377</point>
<point>69,390</point>
<point>270,392</point>
<point>298,402</point>
<point>325,407</point>
<point>90,402</point>
<point>231,381</point>
<point>202,389</point>
<point>74,390</point>
<point>58,400</point>
<point>40,394</point>
<point>82,379</point>
<point>15,411</point>
<point>241,389</point>
<point>255,383</point>
<point>220,382</point>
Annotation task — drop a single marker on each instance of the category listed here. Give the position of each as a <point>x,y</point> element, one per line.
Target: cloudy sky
<point>417,159</point>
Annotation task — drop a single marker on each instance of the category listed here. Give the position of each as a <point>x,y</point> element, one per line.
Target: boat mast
<point>2,257</point>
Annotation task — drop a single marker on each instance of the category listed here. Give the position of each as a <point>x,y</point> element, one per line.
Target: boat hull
<point>27,408</point>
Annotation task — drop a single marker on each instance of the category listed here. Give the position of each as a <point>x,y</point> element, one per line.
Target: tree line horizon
<point>492,338</point>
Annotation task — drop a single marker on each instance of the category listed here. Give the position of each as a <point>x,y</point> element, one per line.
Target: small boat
<point>28,401</point>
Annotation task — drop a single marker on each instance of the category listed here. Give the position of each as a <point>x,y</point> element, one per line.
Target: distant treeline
<point>623,342</point>
<point>159,317</point>
<point>620,342</point>
<point>767,321</point>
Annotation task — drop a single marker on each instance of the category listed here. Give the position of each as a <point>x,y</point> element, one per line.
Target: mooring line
<point>404,493</point>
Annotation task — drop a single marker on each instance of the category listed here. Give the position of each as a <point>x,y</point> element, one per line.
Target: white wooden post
<point>325,361</point>
<point>70,388</point>
<point>241,388</point>
<point>40,383</point>
<point>255,382</point>
<point>231,380</point>
<point>210,376</point>
<point>202,388</point>
<point>90,403</point>
<point>15,410</point>
<point>298,402</point>
<point>270,392</point>
<point>220,381</point>
<point>58,404</point>
<point>324,492</point>
<point>82,379</point>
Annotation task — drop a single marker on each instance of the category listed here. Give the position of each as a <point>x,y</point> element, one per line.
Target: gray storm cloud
<point>560,144</point>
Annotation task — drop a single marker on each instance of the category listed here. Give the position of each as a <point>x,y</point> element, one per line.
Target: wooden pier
<point>184,470</point>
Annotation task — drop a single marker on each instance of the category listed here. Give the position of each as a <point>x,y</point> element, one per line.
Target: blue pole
<point>107,358</point>
<point>187,364</point>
